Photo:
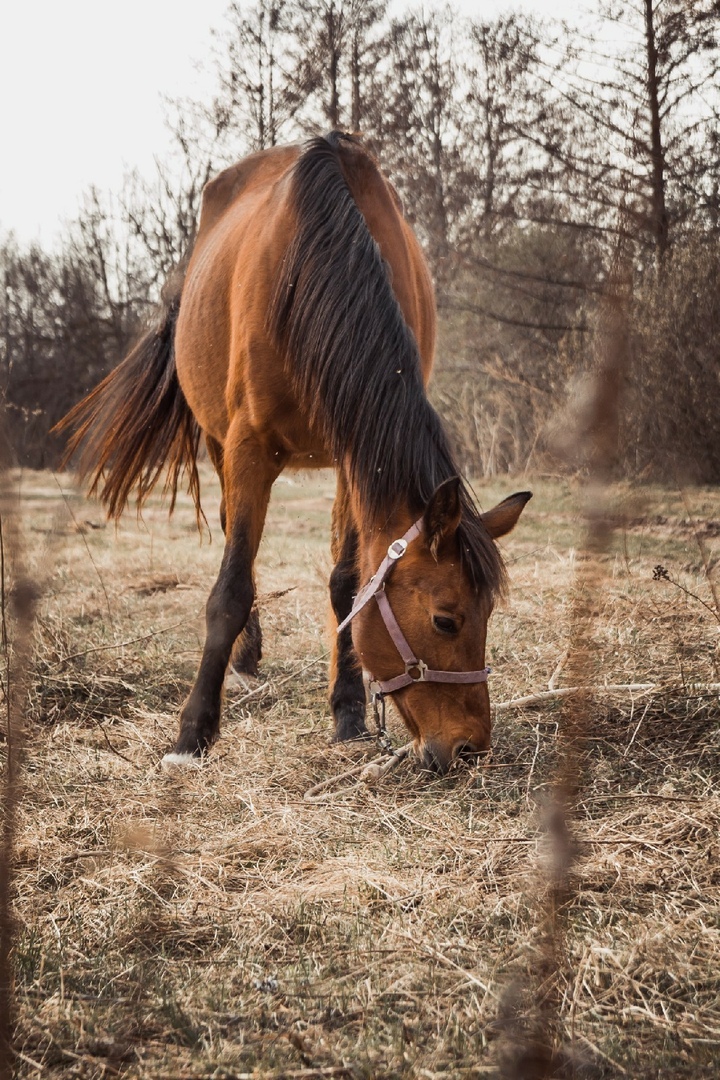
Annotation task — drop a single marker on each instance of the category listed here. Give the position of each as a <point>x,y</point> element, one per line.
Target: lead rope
<point>367,773</point>
<point>382,739</point>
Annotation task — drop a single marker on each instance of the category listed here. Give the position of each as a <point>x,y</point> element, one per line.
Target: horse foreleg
<point>248,474</point>
<point>347,691</point>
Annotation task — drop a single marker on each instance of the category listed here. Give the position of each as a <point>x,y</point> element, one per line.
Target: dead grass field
<point>213,924</point>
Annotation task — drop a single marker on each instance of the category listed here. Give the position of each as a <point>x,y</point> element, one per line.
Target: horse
<point>300,333</point>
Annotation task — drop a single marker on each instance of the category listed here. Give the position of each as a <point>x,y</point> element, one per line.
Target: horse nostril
<point>440,759</point>
<point>435,759</point>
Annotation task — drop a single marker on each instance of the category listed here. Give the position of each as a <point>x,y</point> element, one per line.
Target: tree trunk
<point>333,45</point>
<point>355,76</point>
<point>659,222</point>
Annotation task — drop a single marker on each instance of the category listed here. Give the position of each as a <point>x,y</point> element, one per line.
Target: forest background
<point>554,174</point>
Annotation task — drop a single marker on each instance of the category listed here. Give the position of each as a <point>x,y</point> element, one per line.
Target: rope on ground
<point>367,772</point>
<point>610,688</point>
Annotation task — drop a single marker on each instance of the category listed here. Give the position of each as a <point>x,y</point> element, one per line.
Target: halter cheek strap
<point>416,671</point>
<point>377,582</point>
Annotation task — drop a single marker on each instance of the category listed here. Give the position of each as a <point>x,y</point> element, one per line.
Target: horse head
<point>420,625</point>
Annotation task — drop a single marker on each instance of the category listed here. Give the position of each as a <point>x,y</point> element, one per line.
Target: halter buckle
<point>397,549</point>
<point>416,665</point>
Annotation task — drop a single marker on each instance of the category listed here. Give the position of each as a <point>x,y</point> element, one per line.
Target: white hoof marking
<point>181,761</point>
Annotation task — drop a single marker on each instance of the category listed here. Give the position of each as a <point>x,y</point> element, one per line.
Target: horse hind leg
<point>246,654</point>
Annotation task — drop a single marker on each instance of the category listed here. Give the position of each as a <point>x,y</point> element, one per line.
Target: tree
<point>646,114</point>
<point>418,130</point>
<point>336,46</point>
<point>669,421</point>
<point>506,123</point>
<point>65,320</point>
<point>256,98</point>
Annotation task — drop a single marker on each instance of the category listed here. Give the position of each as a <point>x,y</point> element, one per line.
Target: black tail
<point>137,421</point>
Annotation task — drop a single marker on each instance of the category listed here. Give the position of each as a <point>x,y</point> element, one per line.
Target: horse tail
<point>137,420</point>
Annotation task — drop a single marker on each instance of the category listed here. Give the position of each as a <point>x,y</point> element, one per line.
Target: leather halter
<point>416,671</point>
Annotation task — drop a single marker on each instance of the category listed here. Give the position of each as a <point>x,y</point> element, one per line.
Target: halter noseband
<point>416,671</point>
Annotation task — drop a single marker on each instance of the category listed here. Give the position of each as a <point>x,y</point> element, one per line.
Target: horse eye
<point>444,624</point>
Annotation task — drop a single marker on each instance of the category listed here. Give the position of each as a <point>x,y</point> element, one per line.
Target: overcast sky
<point>81,87</point>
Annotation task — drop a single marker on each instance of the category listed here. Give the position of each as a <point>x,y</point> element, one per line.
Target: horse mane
<point>354,361</point>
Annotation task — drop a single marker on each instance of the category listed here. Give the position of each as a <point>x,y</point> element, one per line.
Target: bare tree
<point>418,129</point>
<point>647,111</point>
<point>256,99</point>
<point>506,121</point>
<point>65,320</point>
<point>336,48</point>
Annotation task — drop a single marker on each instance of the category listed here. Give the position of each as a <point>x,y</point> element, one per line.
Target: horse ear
<point>442,513</point>
<point>504,517</point>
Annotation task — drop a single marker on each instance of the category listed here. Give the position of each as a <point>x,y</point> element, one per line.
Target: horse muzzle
<point>439,757</point>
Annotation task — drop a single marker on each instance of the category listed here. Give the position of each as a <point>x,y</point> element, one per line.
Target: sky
<point>82,84</point>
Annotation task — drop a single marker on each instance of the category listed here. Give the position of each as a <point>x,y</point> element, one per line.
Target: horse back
<point>380,206</point>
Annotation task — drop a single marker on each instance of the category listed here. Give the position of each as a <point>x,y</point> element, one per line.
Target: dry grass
<point>214,924</point>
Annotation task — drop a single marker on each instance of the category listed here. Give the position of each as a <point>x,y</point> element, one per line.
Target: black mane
<point>354,361</point>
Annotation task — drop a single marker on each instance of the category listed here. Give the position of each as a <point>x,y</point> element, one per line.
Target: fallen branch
<point>118,644</point>
<point>309,1073</point>
<point>593,691</point>
<point>372,771</point>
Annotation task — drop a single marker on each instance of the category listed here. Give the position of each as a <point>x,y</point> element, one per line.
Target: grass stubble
<point>214,924</point>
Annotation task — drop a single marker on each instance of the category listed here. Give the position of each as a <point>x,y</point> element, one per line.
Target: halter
<point>416,671</point>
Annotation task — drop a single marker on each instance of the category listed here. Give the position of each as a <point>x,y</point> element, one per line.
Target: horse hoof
<point>350,734</point>
<point>178,762</point>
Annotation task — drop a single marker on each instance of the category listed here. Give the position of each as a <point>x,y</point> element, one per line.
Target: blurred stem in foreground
<point>17,625</point>
<point>537,1043</point>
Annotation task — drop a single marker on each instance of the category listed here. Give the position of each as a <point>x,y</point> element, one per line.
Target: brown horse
<point>303,336</point>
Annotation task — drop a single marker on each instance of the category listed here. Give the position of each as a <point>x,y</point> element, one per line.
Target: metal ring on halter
<point>420,665</point>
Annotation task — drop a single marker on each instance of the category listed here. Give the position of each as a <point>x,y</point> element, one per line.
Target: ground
<point>213,923</point>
